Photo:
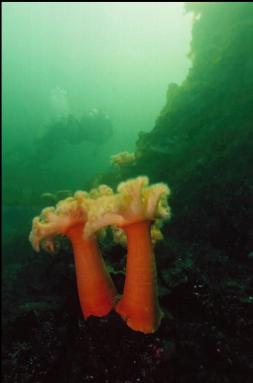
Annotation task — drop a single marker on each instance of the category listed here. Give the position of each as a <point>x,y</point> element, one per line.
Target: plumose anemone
<point>97,293</point>
<point>133,209</point>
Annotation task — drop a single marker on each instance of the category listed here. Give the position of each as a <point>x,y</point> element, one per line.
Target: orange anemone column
<point>97,293</point>
<point>139,305</point>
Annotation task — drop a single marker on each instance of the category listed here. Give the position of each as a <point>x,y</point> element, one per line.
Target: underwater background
<point>172,84</point>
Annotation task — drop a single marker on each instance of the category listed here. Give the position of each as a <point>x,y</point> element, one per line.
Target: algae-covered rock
<point>201,144</point>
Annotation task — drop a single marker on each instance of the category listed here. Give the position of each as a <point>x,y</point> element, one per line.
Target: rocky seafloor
<point>206,333</point>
